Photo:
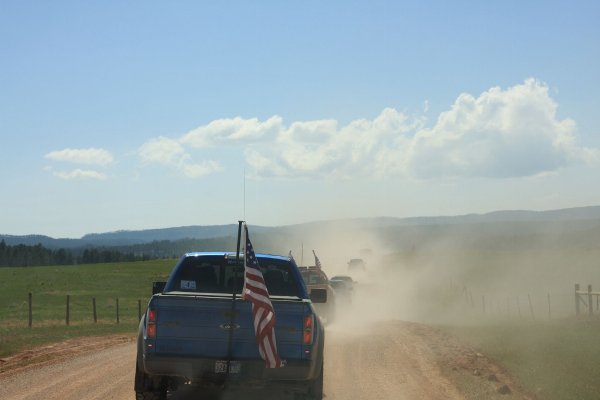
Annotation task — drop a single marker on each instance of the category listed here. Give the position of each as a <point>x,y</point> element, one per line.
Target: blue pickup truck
<point>198,331</point>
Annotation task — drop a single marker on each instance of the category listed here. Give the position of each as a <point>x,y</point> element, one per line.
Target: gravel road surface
<point>391,360</point>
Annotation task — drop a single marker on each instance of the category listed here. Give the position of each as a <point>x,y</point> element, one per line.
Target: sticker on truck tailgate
<point>221,367</point>
<point>188,285</point>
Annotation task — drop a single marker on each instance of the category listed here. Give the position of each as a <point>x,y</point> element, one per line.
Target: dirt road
<point>392,360</point>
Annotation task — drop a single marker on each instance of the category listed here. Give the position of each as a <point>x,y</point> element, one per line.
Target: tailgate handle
<point>229,314</point>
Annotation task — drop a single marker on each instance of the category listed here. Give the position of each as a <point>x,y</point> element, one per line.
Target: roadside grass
<point>553,359</point>
<point>129,282</point>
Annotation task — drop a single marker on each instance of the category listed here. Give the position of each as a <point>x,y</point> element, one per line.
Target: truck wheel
<point>144,389</point>
<point>151,395</point>
<point>315,389</point>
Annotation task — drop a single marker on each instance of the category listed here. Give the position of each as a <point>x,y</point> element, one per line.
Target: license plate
<point>234,367</point>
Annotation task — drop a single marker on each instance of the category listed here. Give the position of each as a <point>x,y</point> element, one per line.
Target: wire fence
<point>534,305</point>
<point>67,309</point>
<point>47,309</point>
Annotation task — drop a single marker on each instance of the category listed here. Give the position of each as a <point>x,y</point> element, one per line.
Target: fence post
<point>483,303</point>
<point>117,310</point>
<point>30,309</point>
<point>549,308</point>
<point>577,299</point>
<point>67,314</point>
<point>590,304</point>
<point>94,310</point>
<point>519,307</point>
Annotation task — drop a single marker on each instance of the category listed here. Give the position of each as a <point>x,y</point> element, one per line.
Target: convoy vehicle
<point>315,278</point>
<point>345,278</point>
<point>343,286</point>
<point>357,267</point>
<point>198,331</point>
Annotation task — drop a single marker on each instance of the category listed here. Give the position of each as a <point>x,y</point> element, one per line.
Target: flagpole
<point>237,259</point>
<point>233,297</point>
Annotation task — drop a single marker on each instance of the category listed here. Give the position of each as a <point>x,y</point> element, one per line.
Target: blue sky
<point>149,114</point>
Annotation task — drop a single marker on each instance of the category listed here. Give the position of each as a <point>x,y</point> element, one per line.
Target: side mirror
<point>158,287</point>
<point>318,295</point>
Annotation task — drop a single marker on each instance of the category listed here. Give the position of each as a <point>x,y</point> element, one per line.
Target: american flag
<point>317,262</point>
<point>263,314</point>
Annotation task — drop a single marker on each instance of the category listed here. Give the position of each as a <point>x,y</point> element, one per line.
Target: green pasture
<point>49,286</point>
<point>554,359</point>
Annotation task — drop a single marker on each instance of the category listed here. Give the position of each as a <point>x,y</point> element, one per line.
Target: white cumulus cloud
<point>162,150</point>
<point>233,130</point>
<point>91,156</point>
<point>171,153</point>
<point>321,148</point>
<point>499,133</point>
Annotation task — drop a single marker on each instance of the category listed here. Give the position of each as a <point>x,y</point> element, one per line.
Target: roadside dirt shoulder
<point>57,352</point>
<point>474,374</point>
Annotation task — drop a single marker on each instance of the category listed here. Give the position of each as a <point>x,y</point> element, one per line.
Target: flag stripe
<point>263,314</point>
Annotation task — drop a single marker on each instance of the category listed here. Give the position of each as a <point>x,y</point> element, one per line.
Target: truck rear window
<point>314,277</point>
<point>218,274</point>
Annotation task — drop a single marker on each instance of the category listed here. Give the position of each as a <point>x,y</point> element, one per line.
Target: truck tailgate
<point>188,326</point>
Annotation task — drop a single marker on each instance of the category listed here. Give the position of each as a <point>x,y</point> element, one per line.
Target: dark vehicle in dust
<point>343,285</point>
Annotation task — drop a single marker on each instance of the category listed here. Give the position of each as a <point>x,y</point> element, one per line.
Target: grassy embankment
<point>49,286</point>
<point>555,359</point>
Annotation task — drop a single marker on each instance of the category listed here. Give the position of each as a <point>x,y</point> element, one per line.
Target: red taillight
<point>308,321</point>
<point>307,336</point>
<point>151,325</point>
<point>151,330</point>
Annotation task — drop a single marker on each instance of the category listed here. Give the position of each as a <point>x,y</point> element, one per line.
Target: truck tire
<point>150,396</point>
<point>315,388</point>
<point>144,389</point>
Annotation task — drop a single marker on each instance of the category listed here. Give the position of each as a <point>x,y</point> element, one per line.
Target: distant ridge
<point>566,214</point>
<point>130,237</point>
<point>176,233</point>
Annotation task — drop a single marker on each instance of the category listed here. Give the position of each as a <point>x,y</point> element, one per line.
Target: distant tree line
<point>28,256</point>
<point>175,249</point>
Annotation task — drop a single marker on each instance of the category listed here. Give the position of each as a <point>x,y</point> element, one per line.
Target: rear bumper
<point>200,370</point>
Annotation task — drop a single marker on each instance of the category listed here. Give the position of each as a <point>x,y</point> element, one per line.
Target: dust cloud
<point>461,273</point>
